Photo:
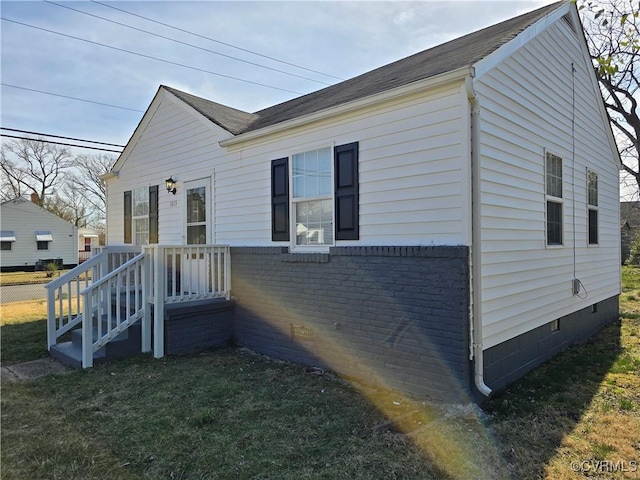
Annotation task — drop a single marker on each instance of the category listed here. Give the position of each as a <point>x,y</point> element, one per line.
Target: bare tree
<point>87,182</point>
<point>612,28</point>
<point>31,166</point>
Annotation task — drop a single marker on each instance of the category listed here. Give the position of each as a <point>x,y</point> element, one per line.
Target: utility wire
<point>59,136</point>
<point>216,41</point>
<point>149,56</point>
<point>58,143</point>
<point>185,43</point>
<point>67,96</point>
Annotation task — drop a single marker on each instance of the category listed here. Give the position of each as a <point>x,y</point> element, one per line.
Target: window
<point>7,237</point>
<point>196,216</point>
<point>312,197</point>
<point>553,175</point>
<point>592,210</point>
<point>141,216</point>
<point>42,240</point>
<point>323,203</point>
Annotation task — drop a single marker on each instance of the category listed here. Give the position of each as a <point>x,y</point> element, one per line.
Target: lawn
<point>227,414</point>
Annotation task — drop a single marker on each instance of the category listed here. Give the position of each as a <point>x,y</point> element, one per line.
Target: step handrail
<point>130,278</point>
<point>59,322</point>
<point>113,273</point>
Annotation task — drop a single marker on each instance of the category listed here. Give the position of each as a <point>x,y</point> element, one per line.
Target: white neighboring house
<point>88,240</point>
<point>31,235</point>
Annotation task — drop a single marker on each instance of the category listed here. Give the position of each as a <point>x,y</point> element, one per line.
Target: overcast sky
<point>337,39</point>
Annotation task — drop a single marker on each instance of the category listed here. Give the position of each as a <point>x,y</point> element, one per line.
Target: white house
<point>88,240</point>
<point>441,225</point>
<point>31,235</point>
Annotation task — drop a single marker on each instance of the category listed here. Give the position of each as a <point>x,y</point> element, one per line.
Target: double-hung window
<point>313,197</point>
<point>141,216</point>
<point>554,199</point>
<point>592,207</point>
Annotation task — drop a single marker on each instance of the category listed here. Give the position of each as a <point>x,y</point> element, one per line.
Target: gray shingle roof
<point>461,52</point>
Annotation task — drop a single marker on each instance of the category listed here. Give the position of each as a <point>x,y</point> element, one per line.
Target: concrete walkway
<point>33,369</point>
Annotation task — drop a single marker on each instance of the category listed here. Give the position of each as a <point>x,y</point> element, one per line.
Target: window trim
<point>553,199</point>
<point>205,183</point>
<point>593,208</point>
<point>293,201</point>
<point>134,217</point>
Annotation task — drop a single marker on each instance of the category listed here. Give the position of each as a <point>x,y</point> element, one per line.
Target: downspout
<point>476,273</point>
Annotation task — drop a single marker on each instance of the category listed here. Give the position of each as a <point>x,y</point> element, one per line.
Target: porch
<point>115,303</point>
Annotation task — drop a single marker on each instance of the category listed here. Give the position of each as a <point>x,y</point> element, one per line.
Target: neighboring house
<point>31,236</point>
<point>629,226</point>
<point>440,225</point>
<point>88,240</point>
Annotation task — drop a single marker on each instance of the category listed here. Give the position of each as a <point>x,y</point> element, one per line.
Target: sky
<point>316,43</point>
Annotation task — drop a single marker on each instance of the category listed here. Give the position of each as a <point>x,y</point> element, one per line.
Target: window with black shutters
<point>323,205</point>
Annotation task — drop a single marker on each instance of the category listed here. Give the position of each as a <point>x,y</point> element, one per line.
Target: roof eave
<point>431,82</point>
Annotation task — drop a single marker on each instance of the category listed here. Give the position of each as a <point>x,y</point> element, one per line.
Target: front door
<point>197,232</point>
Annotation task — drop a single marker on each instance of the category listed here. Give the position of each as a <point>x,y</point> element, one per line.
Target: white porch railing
<point>118,285</point>
<point>192,272</point>
<point>112,304</point>
<point>64,299</point>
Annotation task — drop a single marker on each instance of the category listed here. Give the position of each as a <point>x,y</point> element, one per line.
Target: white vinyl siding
<point>526,108</point>
<point>21,218</point>
<point>413,173</point>
<point>171,141</point>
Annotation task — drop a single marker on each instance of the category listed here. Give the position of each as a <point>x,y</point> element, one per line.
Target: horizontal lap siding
<point>24,219</point>
<point>175,143</point>
<point>412,173</point>
<point>526,106</point>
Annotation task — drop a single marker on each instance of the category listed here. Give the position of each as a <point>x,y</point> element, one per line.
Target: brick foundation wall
<point>395,316</point>
<point>510,360</point>
<point>194,326</point>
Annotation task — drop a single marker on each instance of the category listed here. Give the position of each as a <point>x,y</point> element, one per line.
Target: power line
<point>216,41</point>
<point>67,96</point>
<point>149,56</point>
<point>59,136</point>
<point>185,43</point>
<point>59,143</point>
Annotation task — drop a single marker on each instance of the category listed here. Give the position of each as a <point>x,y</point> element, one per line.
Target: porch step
<point>124,345</point>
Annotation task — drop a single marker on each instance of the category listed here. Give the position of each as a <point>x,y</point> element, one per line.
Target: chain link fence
<point>26,286</point>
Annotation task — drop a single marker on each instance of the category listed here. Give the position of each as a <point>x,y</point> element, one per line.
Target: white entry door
<point>197,232</point>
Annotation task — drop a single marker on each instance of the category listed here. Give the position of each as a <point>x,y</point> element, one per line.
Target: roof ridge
<point>459,52</point>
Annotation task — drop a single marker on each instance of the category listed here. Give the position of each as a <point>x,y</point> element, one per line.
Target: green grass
<point>21,278</point>
<point>227,414</point>
<point>224,414</point>
<point>22,342</point>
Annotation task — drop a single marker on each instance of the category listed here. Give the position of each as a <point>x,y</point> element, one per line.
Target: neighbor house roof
<point>461,52</point>
<point>630,214</point>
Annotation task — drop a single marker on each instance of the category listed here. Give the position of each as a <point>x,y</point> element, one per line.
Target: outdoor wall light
<point>171,185</point>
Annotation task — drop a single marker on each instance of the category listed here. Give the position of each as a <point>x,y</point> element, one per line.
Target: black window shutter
<point>280,200</point>
<point>346,191</point>
<point>127,216</point>
<point>153,214</point>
